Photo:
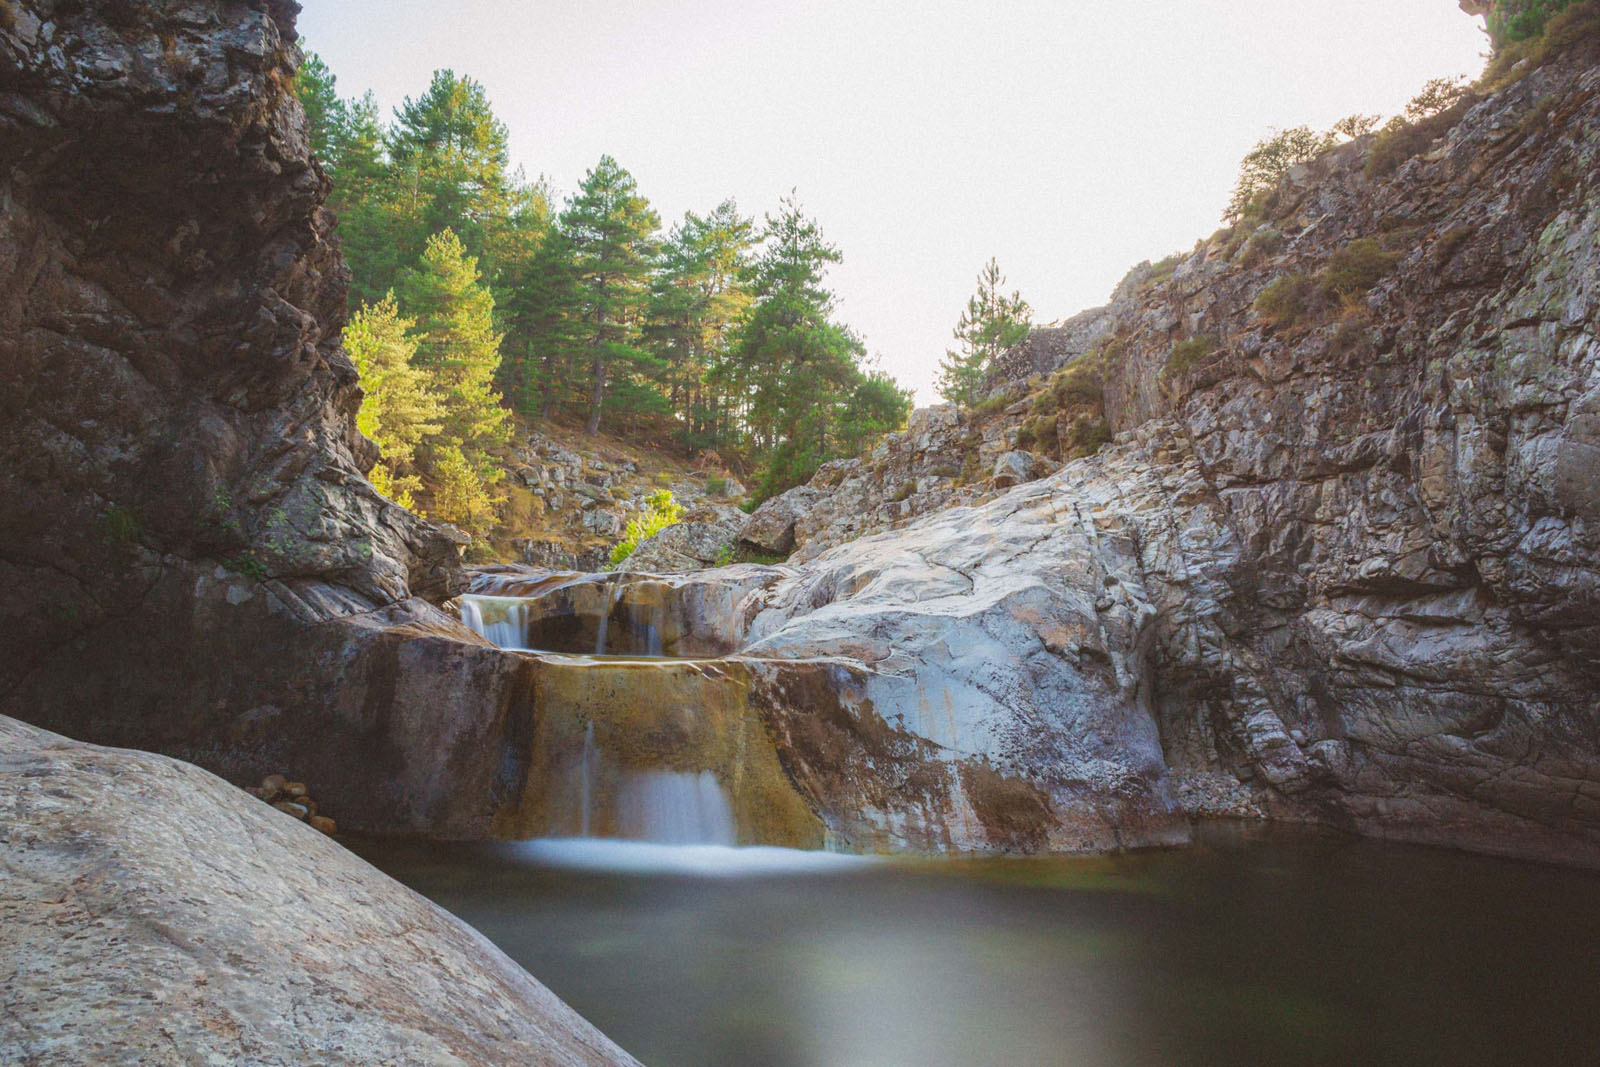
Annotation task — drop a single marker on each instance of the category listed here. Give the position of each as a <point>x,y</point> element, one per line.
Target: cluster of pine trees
<point>474,295</point>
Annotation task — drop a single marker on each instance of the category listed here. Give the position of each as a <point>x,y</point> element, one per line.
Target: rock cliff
<point>1341,562</point>
<point>192,558</point>
<point>153,914</point>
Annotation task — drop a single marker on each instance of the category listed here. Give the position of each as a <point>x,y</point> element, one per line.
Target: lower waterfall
<point>626,745</point>
<point>675,808</point>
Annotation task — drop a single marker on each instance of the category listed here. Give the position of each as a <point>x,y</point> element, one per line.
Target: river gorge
<point>1220,687</point>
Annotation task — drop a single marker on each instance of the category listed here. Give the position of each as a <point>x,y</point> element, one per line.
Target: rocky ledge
<point>1341,562</point>
<point>154,914</point>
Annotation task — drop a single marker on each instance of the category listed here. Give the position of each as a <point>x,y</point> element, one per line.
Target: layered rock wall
<point>191,558</point>
<point>1342,562</point>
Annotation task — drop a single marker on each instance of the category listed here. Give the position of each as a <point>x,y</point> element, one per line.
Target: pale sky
<point>1071,139</point>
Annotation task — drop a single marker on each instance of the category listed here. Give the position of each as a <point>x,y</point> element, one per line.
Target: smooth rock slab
<point>150,913</point>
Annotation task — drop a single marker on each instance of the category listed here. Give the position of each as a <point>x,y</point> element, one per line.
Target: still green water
<point>1243,950</point>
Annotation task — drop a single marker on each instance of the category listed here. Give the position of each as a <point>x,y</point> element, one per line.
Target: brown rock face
<point>191,557</point>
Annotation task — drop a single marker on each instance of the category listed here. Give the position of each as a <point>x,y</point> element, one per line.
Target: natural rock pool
<point>1287,948</point>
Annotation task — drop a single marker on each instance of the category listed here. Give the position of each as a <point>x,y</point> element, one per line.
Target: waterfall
<point>586,780</point>
<point>613,596</point>
<point>502,620</point>
<point>676,808</point>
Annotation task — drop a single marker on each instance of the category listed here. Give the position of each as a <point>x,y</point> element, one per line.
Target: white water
<point>675,808</point>
<point>645,857</point>
<point>510,630</point>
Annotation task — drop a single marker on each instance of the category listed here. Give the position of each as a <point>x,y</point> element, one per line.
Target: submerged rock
<point>154,914</point>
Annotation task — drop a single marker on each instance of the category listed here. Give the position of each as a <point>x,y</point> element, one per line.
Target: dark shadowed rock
<point>192,558</point>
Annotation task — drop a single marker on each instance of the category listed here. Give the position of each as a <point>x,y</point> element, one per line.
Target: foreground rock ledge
<point>153,914</point>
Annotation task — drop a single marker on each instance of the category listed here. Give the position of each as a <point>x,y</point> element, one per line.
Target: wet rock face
<point>185,526</point>
<point>155,914</point>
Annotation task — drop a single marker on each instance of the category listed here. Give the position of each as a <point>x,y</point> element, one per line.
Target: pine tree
<point>611,230</point>
<point>697,298</point>
<point>992,323</point>
<point>449,154</point>
<point>459,352</point>
<point>398,412</point>
<point>457,345</point>
<point>803,366</point>
<point>317,90</point>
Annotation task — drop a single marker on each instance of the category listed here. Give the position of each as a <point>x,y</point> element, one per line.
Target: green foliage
<point>660,512</point>
<point>316,89</point>
<point>611,230</point>
<point>698,297</point>
<point>458,352</point>
<point>1285,300</point>
<point>717,485</point>
<point>812,397</point>
<point>992,323</point>
<point>695,340</point>
<point>1039,433</point>
<point>247,564</point>
<point>1161,270</point>
<point>992,405</point>
<point>1353,126</point>
<point>399,408</point>
<point>1522,20</point>
<point>1438,95</point>
<point>460,489</point>
<point>1356,268</point>
<point>1088,435</point>
<point>1265,165</point>
<point>1260,246</point>
<point>1565,23</point>
<point>1430,115</point>
<point>1186,353</point>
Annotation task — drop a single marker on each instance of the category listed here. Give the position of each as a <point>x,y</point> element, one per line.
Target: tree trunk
<point>598,396</point>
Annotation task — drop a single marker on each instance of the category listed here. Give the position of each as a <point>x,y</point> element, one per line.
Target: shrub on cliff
<point>1355,268</point>
<point>1560,30</point>
<point>1185,354</point>
<point>1268,162</point>
<point>1521,20</point>
<point>1429,116</point>
<point>1285,300</point>
<point>1088,435</point>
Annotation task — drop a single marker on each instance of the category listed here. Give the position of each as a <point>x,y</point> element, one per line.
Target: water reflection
<point>1287,951</point>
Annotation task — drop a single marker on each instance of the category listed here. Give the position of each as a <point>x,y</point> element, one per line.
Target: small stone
<point>272,785</point>
<point>309,804</point>
<point>295,789</point>
<point>324,824</point>
<point>290,807</point>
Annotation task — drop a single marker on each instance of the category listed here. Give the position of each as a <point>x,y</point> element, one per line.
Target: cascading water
<point>502,620</point>
<point>608,605</point>
<point>631,748</point>
<point>676,808</point>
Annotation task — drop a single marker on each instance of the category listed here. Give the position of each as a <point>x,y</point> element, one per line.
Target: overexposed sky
<point>1069,138</point>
